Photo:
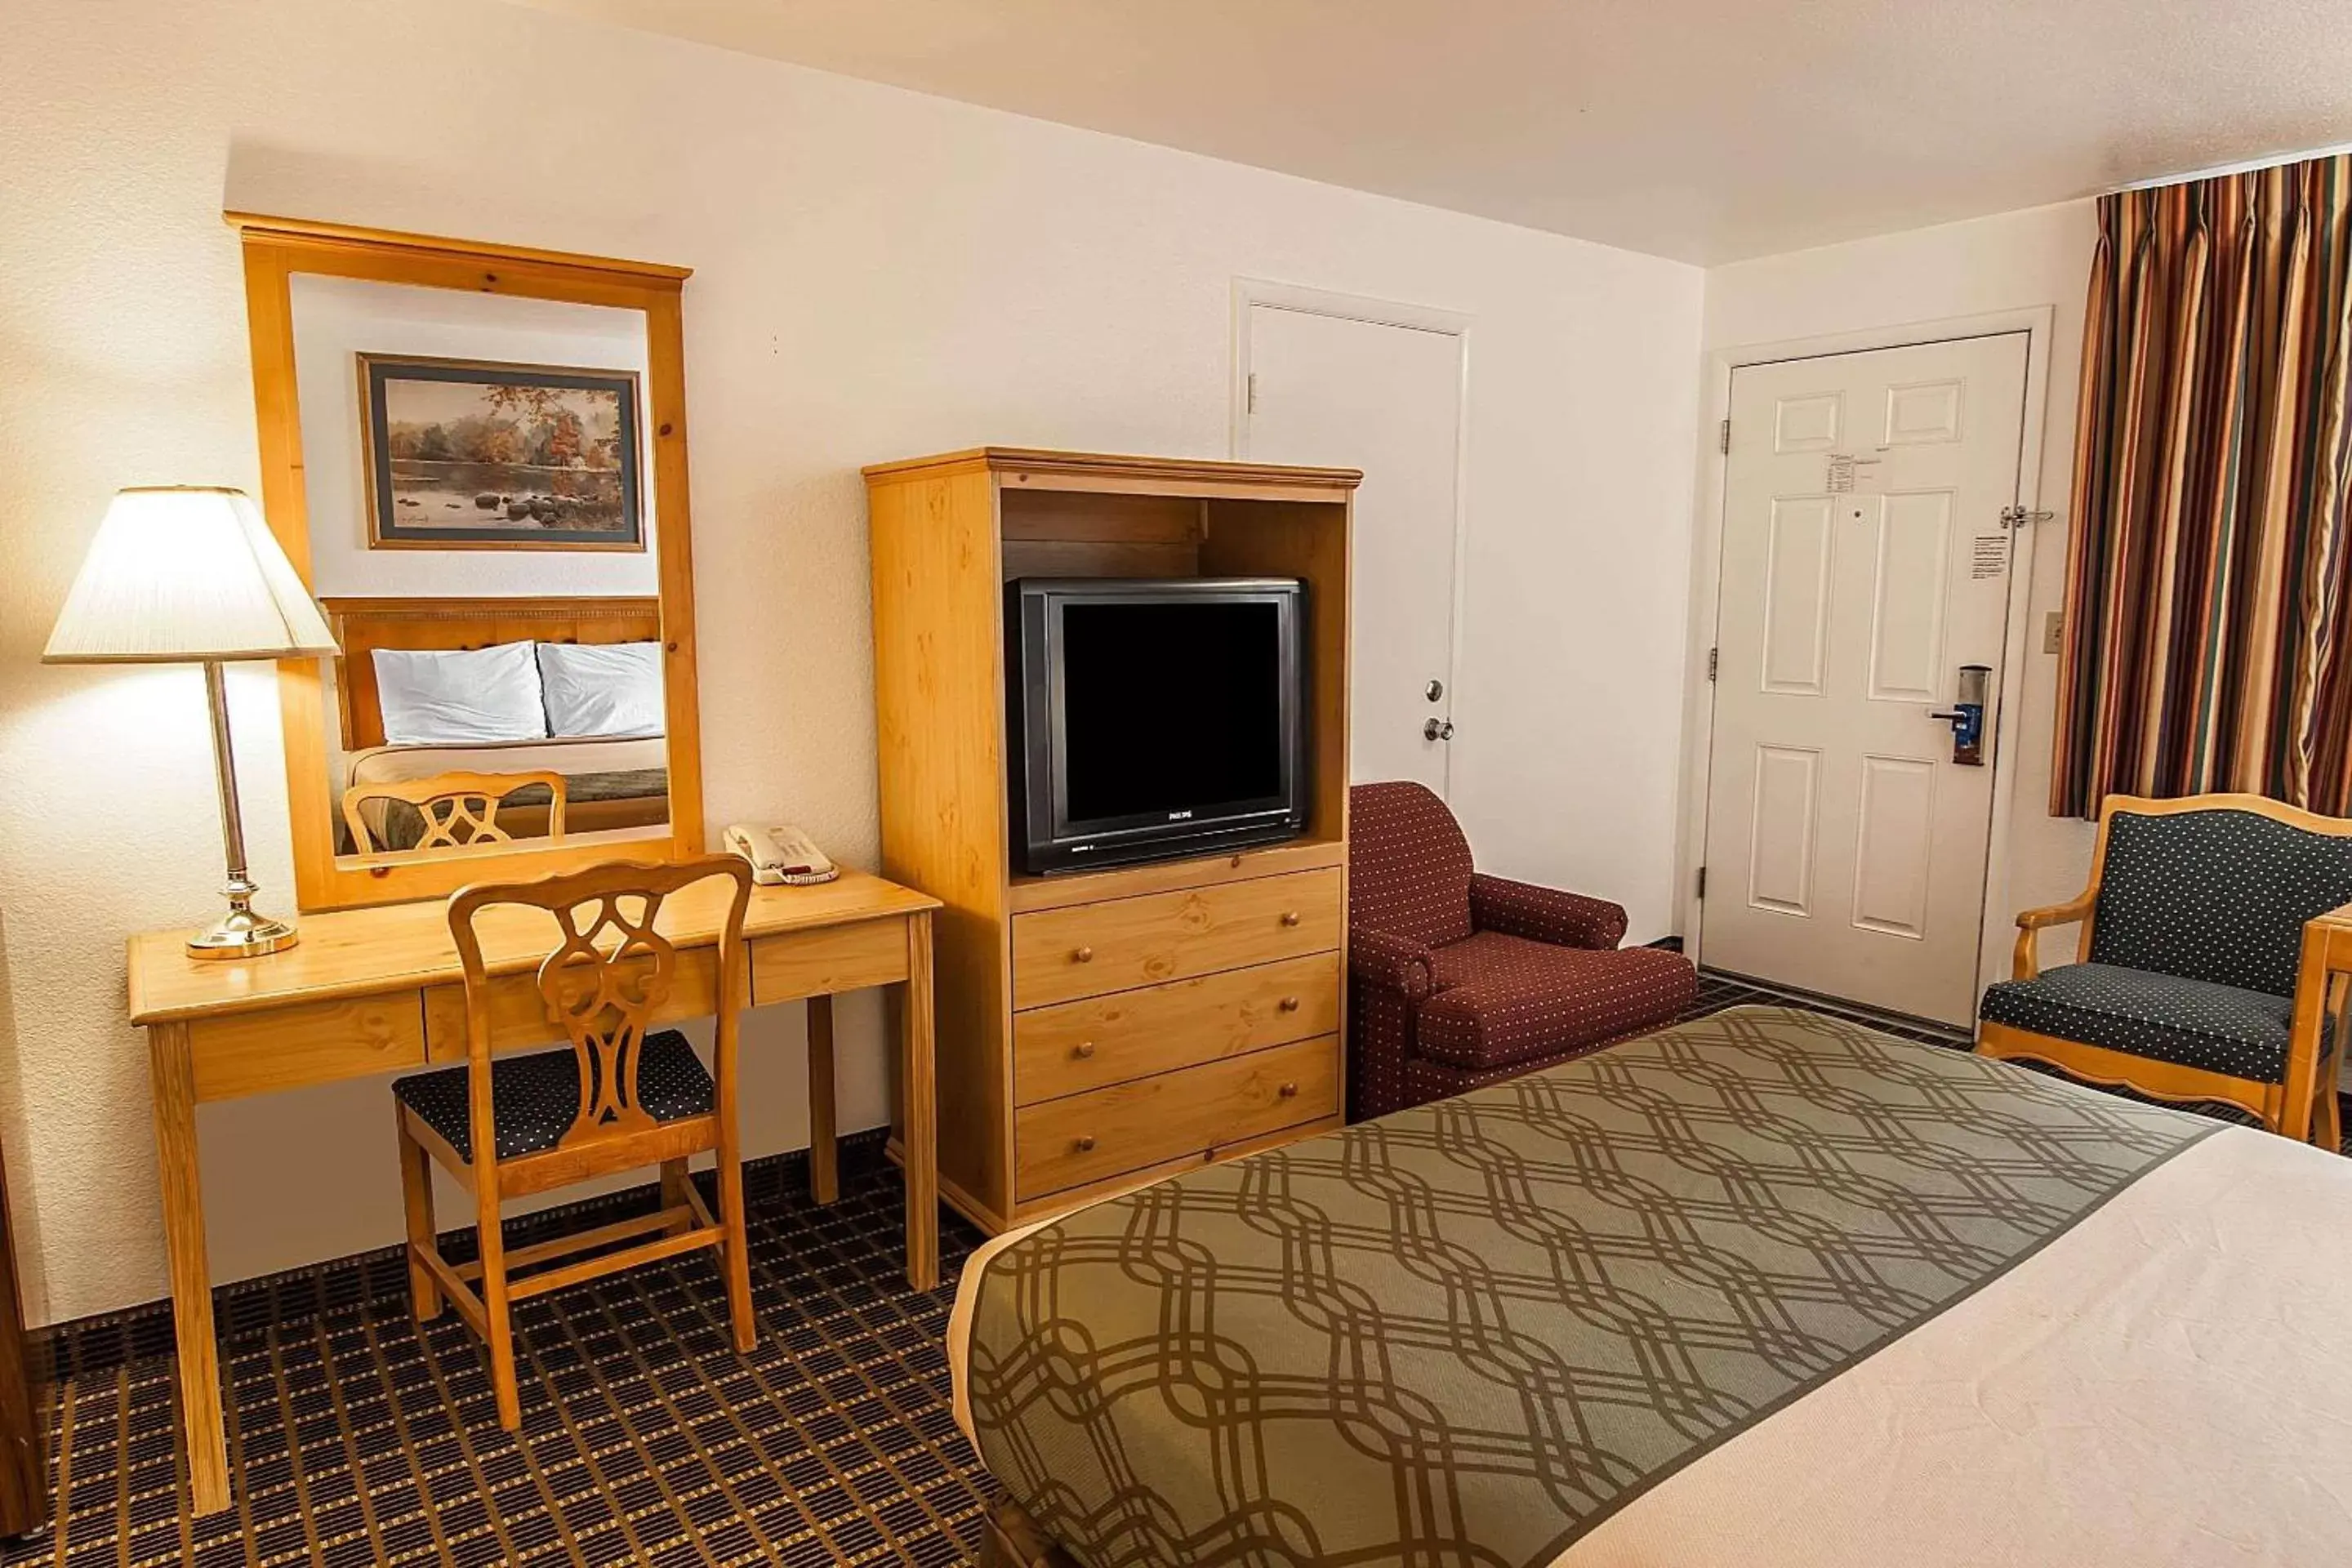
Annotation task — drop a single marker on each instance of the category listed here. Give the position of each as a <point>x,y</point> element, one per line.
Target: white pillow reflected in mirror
<point>603,689</point>
<point>459,697</point>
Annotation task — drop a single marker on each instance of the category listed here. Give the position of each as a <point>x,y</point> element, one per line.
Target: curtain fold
<point>2207,644</point>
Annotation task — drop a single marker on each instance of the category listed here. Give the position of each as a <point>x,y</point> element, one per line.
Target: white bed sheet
<point>2168,1386</point>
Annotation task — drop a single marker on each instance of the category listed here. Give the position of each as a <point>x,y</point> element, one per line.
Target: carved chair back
<point>459,809</point>
<point>604,983</point>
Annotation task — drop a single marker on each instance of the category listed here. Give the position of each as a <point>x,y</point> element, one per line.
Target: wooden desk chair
<point>2190,957</point>
<point>616,1100</point>
<point>458,808</point>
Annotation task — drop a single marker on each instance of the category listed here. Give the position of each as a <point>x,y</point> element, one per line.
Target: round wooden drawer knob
<point>1290,917</point>
<point>1083,1049</point>
<point>1084,1145</point>
<point>1083,955</point>
<point>1290,1091</point>
<point>1288,1003</point>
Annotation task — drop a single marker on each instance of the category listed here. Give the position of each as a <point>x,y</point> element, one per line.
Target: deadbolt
<point>1434,690</point>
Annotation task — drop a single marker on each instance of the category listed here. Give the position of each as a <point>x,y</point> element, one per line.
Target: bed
<point>1763,1289</point>
<point>611,782</point>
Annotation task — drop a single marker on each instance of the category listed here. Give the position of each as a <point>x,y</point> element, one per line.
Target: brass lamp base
<point>242,934</point>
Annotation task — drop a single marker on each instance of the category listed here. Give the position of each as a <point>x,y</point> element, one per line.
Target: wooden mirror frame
<point>275,250</point>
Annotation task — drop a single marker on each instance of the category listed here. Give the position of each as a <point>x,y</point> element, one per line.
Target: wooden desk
<point>380,990</point>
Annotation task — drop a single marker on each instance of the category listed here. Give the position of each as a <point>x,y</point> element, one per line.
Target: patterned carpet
<point>646,1439</point>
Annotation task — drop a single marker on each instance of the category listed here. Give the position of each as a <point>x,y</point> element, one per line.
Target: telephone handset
<point>780,854</point>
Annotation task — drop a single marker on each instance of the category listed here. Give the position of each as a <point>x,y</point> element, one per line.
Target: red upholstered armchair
<point>1456,979</point>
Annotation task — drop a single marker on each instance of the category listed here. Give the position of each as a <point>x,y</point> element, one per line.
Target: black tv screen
<point>1170,706</point>
<point>1153,717</point>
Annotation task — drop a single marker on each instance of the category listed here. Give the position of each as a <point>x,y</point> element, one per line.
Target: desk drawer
<point>1086,950</point>
<point>819,963</point>
<point>1102,1040</point>
<point>1087,1137</point>
<point>519,1012</point>
<point>311,1042</point>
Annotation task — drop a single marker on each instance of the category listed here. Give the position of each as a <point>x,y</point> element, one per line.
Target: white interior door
<point>1865,560</point>
<point>1387,399</point>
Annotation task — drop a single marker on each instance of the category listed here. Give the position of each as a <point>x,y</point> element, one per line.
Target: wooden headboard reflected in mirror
<point>476,448</point>
<point>362,626</point>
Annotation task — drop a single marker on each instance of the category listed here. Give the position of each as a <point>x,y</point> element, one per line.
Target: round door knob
<point>1085,1145</point>
<point>1290,1091</point>
<point>1288,1003</point>
<point>1083,1049</point>
<point>1083,955</point>
<point>1290,917</point>
<point>1438,729</point>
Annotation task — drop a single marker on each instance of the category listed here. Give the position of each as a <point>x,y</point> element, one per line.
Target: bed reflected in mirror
<point>467,724</point>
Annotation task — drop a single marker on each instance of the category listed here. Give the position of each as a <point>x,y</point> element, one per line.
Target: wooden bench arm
<point>2026,964</point>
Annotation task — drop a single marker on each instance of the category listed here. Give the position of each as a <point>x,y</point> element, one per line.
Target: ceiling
<point>1704,129</point>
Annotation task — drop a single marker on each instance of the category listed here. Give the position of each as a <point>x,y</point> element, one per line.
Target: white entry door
<point>1865,560</point>
<point>1330,390</point>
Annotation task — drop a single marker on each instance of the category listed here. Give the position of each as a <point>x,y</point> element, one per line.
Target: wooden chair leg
<point>824,1150</point>
<point>416,1199</point>
<point>735,1251</point>
<point>498,1311</point>
<point>674,1179</point>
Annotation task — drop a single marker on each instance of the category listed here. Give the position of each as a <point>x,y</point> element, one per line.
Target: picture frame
<point>489,455</point>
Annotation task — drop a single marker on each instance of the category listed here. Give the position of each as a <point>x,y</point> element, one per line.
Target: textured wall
<point>879,275</point>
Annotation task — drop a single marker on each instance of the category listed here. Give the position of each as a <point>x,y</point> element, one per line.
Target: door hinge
<point>1723,437</point>
<point>2018,516</point>
<point>1252,391</point>
<point>1714,660</point>
<point>1702,882</point>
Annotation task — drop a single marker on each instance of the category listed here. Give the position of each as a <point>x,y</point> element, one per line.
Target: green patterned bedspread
<point>1467,1333</point>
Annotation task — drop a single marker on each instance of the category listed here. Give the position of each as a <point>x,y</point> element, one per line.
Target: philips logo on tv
<point>1179,816</point>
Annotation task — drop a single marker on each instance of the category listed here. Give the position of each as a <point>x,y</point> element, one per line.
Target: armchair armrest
<point>2026,962</point>
<point>1394,962</point>
<point>1544,914</point>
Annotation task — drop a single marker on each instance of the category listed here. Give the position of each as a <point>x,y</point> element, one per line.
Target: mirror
<point>476,457</point>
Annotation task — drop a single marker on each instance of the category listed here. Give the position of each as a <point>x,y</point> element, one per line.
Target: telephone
<point>780,854</point>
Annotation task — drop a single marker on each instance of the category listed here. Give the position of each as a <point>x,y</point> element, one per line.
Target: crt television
<point>1154,718</point>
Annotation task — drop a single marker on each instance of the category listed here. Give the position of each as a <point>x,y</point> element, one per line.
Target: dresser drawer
<point>1087,1137</point>
<point>1059,955</point>
<point>1073,1046</point>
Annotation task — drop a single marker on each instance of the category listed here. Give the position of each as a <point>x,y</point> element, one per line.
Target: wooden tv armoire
<point>1099,1029</point>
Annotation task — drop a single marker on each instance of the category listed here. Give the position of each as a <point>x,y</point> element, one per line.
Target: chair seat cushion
<point>535,1097</point>
<point>2159,1017</point>
<point>1504,999</point>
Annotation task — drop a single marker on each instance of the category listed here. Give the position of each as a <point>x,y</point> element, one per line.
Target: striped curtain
<point>2208,642</point>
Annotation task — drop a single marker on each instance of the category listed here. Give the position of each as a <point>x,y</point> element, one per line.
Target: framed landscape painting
<point>470,455</point>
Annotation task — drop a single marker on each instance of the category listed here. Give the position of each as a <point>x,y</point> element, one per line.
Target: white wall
<point>2034,257</point>
<point>879,275</point>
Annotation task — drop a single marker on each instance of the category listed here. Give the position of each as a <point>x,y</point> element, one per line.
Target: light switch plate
<point>2054,630</point>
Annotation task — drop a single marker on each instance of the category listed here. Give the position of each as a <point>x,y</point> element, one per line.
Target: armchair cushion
<point>1544,914</point>
<point>2218,895</point>
<point>1503,999</point>
<point>2159,1017</point>
<point>1395,963</point>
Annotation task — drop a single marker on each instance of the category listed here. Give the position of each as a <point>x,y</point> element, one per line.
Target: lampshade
<point>185,574</point>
